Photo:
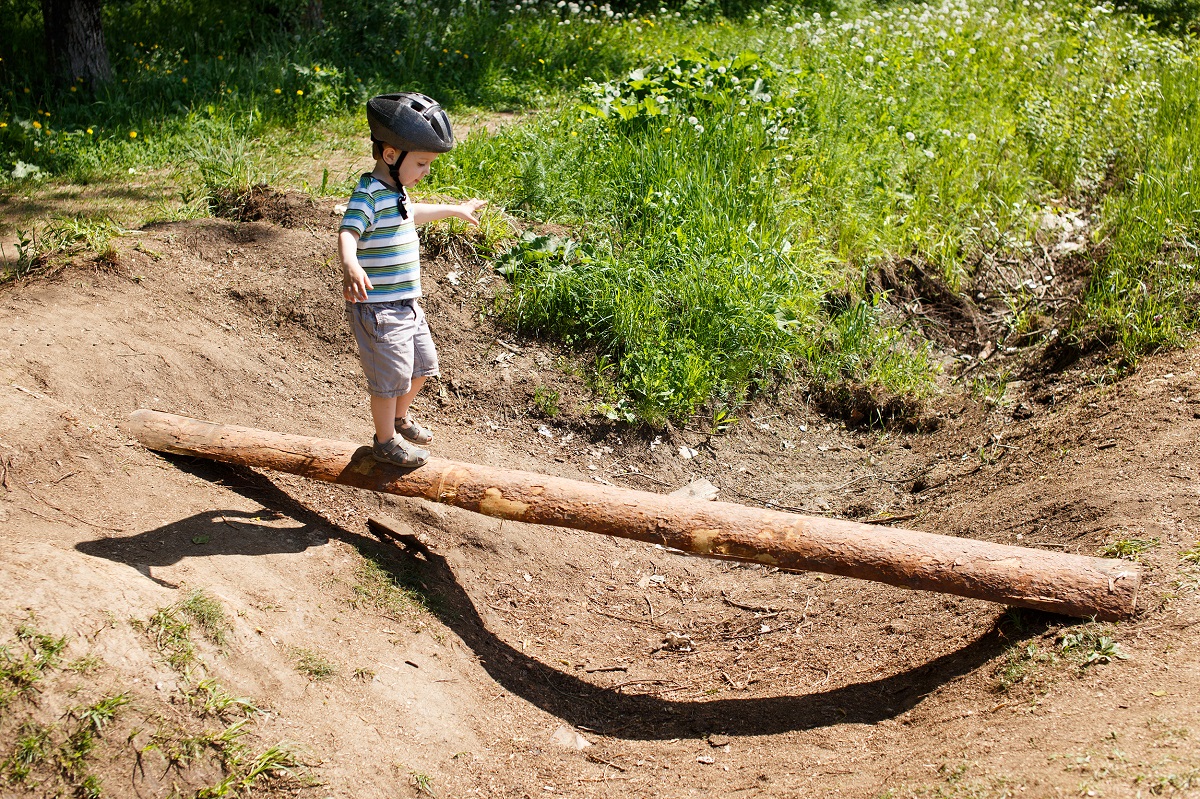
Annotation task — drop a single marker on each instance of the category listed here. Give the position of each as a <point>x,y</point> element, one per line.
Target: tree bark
<point>75,47</point>
<point>1074,585</point>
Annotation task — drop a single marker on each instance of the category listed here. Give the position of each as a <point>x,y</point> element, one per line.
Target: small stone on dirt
<point>697,489</point>
<point>707,760</point>
<point>719,741</point>
<point>898,627</point>
<point>678,642</point>
<point>687,453</point>
<point>568,738</point>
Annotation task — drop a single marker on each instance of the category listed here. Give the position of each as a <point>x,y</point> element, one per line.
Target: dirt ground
<point>497,659</point>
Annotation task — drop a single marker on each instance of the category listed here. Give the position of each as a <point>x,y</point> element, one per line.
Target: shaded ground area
<point>442,658</point>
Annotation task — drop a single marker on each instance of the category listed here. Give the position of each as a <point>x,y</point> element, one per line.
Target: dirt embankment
<point>389,667</point>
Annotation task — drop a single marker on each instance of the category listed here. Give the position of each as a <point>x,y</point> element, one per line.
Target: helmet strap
<point>394,171</point>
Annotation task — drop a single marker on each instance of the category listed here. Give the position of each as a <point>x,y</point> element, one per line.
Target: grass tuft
<point>313,664</point>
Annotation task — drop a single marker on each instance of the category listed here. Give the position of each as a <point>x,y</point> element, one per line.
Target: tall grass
<point>727,198</point>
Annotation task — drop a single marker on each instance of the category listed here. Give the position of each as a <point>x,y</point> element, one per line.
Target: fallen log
<point>1073,585</point>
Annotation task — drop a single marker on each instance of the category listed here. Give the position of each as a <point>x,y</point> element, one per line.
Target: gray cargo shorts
<point>394,344</point>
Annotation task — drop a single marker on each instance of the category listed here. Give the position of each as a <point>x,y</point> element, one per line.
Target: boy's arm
<point>354,279</point>
<point>429,212</point>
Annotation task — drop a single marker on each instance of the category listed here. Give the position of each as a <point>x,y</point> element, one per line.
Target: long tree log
<point>1074,585</point>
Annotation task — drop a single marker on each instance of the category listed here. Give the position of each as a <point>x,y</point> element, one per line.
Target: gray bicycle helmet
<point>409,121</point>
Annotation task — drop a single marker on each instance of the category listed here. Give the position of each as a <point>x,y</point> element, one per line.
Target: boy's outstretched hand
<point>469,210</point>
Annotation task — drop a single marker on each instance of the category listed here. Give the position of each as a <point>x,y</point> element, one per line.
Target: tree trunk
<point>75,49</point>
<point>1074,585</point>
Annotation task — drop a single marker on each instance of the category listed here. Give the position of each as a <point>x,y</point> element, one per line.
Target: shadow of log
<point>606,710</point>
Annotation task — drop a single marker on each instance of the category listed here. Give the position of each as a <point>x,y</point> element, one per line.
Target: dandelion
<point>869,59</point>
<point>37,125</point>
<point>279,91</point>
<point>299,92</point>
<point>5,125</point>
<point>185,80</point>
<point>910,136</point>
<point>133,134</point>
<point>74,88</point>
<point>666,131</point>
<point>929,153</point>
<point>970,137</point>
<point>89,131</point>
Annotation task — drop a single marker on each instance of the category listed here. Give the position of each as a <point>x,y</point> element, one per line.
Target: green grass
<point>23,663</point>
<point>170,628</point>
<point>1127,548</point>
<point>208,614</point>
<point>383,588</point>
<point>313,664</point>
<point>210,699</point>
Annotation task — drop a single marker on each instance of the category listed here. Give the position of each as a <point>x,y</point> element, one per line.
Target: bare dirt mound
<point>169,622</point>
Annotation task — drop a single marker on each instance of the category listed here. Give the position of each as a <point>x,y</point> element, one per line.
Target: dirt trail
<point>453,663</point>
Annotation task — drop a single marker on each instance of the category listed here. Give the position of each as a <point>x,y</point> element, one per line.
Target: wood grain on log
<point>1074,585</point>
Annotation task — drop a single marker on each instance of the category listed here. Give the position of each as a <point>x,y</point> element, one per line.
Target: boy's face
<point>414,167</point>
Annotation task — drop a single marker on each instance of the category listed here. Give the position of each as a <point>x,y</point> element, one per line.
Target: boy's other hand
<point>469,210</point>
<point>355,283</point>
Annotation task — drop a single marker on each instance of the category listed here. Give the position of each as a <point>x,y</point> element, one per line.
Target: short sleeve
<point>360,211</point>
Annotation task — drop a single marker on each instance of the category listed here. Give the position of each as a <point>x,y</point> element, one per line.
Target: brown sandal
<point>412,431</point>
<point>395,453</point>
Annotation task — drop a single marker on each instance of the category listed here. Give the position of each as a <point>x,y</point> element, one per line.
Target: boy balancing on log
<point>381,269</point>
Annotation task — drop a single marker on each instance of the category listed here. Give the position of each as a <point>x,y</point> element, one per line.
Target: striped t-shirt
<point>388,249</point>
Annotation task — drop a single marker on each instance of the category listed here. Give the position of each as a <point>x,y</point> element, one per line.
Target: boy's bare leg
<point>383,413</point>
<point>405,402</point>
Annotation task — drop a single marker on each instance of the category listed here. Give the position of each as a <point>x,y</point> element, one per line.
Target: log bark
<point>1073,585</point>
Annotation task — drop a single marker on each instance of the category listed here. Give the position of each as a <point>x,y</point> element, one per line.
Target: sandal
<point>395,453</point>
<point>412,431</point>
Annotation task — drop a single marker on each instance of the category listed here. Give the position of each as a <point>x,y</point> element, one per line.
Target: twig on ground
<point>753,608</point>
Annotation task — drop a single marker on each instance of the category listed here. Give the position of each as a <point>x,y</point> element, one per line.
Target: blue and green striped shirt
<point>388,249</point>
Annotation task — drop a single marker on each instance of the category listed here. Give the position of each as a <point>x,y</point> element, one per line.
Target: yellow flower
<point>185,80</point>
<point>220,58</point>
<point>279,91</point>
<point>299,92</point>
<point>3,124</point>
<point>541,61</point>
<point>133,134</point>
<point>466,56</point>
<point>74,88</point>
<point>666,131</point>
<point>37,124</point>
<point>89,131</point>
<point>27,90</point>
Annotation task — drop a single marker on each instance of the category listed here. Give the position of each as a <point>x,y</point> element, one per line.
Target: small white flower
<point>869,59</point>
<point>929,153</point>
<point>910,136</point>
<point>950,54</point>
<point>970,137</point>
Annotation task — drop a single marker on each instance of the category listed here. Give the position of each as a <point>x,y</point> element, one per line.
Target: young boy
<point>381,270</point>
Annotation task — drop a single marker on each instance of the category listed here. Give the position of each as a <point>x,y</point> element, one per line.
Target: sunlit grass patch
<point>24,662</point>
<point>170,628</point>
<point>313,664</point>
